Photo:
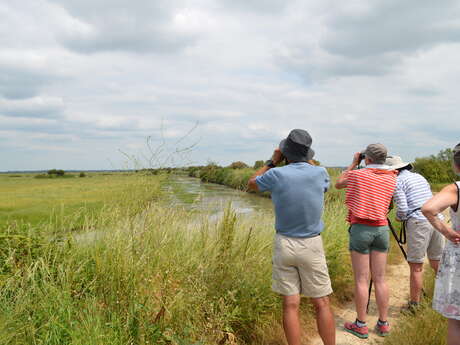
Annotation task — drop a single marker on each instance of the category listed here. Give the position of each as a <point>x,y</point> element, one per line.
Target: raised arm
<point>342,180</point>
<point>447,197</point>
<point>276,159</point>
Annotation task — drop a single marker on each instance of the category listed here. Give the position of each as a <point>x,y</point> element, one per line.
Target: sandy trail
<point>398,283</point>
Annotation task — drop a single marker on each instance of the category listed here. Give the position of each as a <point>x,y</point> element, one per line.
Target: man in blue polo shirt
<point>299,263</point>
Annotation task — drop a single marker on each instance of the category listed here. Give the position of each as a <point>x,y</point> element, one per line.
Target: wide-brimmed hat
<point>297,146</point>
<point>396,162</point>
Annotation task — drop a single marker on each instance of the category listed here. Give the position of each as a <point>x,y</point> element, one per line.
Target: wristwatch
<point>270,164</point>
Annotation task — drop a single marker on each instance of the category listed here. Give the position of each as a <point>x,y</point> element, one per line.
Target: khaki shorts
<point>299,267</point>
<point>423,239</point>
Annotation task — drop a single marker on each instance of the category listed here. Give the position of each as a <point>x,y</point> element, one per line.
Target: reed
<point>140,272</point>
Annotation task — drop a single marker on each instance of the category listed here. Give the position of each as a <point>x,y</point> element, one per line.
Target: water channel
<point>192,194</point>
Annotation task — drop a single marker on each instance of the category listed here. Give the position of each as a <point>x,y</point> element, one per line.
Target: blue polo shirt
<point>297,192</point>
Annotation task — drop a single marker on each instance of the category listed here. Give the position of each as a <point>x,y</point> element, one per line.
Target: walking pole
<point>370,293</point>
<point>400,241</point>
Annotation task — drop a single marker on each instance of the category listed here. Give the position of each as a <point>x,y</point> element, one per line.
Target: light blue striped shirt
<point>412,191</point>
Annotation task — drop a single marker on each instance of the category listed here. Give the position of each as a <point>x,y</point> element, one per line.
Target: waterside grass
<point>140,272</point>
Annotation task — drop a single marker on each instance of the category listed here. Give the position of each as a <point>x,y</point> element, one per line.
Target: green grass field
<point>26,199</point>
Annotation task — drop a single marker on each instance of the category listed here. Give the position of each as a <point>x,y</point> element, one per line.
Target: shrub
<point>82,174</point>
<point>238,165</point>
<point>259,164</point>
<point>207,173</point>
<point>436,168</point>
<point>56,172</point>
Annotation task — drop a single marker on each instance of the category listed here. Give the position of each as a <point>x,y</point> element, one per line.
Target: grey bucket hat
<point>297,146</point>
<point>376,152</point>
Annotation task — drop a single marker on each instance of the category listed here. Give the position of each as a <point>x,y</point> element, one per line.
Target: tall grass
<point>335,236</point>
<point>150,277</point>
<point>143,273</point>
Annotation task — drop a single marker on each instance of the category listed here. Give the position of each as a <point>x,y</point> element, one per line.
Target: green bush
<point>436,168</point>
<point>238,165</point>
<point>82,174</point>
<point>57,172</point>
<point>258,164</point>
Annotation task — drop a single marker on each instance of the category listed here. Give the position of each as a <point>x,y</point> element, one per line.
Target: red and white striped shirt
<point>368,197</point>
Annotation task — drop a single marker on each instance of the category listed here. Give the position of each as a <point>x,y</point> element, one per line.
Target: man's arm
<point>342,180</point>
<point>276,159</point>
<point>400,200</point>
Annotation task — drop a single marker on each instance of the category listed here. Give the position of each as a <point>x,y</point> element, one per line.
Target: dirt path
<point>398,283</point>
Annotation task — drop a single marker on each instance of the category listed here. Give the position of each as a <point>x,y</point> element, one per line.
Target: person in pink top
<point>368,197</point>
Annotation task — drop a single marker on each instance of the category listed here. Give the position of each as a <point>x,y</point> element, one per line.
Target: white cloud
<point>36,107</point>
<point>92,77</point>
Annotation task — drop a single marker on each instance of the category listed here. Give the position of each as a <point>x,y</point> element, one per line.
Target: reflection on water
<point>205,198</point>
<point>195,195</point>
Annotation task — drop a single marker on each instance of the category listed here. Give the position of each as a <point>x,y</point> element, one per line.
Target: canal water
<point>192,194</point>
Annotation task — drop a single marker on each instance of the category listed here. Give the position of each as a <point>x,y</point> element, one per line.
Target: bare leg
<point>453,332</point>
<point>291,322</point>
<point>416,281</point>
<point>360,263</point>
<point>324,320</point>
<point>434,265</point>
<point>378,266</point>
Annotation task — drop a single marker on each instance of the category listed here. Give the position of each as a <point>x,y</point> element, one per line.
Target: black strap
<point>402,239</point>
<point>412,212</point>
<point>458,198</point>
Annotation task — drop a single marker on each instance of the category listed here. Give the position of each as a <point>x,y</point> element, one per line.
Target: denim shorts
<point>365,238</point>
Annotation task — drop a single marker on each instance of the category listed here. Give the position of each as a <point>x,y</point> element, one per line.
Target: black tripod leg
<point>397,240</point>
<point>370,292</point>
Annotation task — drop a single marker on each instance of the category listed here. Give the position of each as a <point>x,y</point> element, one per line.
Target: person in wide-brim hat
<point>299,263</point>
<point>412,192</point>
<point>397,163</point>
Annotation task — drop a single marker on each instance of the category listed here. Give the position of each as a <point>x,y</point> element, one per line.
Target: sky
<point>98,84</point>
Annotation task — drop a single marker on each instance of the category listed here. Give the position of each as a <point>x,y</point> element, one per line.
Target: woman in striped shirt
<point>368,198</point>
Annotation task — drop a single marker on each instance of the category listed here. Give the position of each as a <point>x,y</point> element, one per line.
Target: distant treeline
<point>437,169</point>
<point>236,175</point>
<point>55,173</point>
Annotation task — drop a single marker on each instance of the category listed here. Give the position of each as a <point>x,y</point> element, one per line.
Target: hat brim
<point>402,165</point>
<point>292,156</point>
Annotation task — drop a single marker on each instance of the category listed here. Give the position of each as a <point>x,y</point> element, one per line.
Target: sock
<point>360,323</point>
<point>382,323</point>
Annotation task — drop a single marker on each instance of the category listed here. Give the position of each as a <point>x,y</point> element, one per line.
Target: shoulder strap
<point>458,197</point>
